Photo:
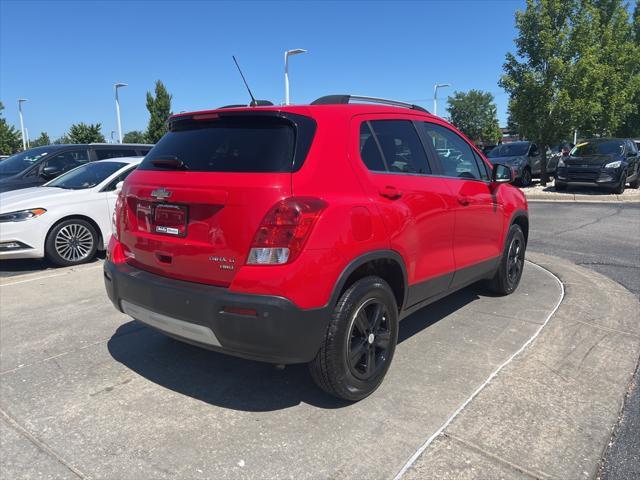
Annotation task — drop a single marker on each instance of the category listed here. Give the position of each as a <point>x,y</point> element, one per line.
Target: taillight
<point>284,230</point>
<point>115,218</point>
<point>115,251</point>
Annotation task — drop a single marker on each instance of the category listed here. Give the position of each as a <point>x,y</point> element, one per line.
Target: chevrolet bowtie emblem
<point>161,193</point>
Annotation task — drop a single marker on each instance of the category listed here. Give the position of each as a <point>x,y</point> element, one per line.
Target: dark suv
<point>38,165</point>
<point>602,162</point>
<point>525,158</point>
<point>303,234</point>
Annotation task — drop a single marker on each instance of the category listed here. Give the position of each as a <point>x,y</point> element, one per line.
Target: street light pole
<point>287,54</point>
<point>24,137</point>
<point>435,95</point>
<point>116,87</point>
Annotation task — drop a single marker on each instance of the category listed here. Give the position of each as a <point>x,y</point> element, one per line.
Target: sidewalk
<point>550,413</point>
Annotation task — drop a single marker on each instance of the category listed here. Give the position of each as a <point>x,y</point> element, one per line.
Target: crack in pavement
<point>39,444</point>
<point>592,222</point>
<point>497,458</point>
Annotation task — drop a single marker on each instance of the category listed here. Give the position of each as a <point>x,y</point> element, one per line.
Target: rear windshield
<point>240,144</point>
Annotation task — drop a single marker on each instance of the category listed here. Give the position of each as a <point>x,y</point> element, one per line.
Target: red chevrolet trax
<point>303,234</point>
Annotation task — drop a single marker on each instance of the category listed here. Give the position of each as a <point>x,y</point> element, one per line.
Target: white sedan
<point>67,219</point>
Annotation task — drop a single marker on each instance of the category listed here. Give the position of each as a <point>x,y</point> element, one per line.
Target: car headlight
<point>615,164</point>
<point>21,215</point>
<point>561,163</point>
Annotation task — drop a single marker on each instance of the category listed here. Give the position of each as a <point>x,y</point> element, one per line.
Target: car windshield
<point>86,176</point>
<point>598,147</point>
<point>509,150</point>
<point>21,161</point>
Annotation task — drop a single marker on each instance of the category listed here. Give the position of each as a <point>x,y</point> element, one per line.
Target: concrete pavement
<point>86,392</point>
<point>550,413</point>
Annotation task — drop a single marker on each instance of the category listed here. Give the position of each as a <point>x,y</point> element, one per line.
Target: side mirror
<point>119,186</point>
<point>501,174</point>
<point>51,171</point>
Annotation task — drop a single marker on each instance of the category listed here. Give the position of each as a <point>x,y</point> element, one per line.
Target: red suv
<point>293,234</point>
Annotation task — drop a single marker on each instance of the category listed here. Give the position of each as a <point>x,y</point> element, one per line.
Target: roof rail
<point>345,99</point>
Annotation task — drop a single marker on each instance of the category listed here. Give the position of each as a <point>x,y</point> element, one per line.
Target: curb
<point>577,197</point>
<point>549,413</point>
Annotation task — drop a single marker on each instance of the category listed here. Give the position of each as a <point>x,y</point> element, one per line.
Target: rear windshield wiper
<point>169,162</point>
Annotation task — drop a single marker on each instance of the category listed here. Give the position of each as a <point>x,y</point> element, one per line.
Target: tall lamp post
<point>287,54</point>
<point>24,136</point>
<point>116,87</point>
<point>435,95</point>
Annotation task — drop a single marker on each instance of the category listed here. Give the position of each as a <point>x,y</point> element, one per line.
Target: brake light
<point>284,230</point>
<point>115,251</point>
<point>115,223</point>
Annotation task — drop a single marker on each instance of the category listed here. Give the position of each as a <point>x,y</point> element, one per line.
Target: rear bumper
<point>279,332</point>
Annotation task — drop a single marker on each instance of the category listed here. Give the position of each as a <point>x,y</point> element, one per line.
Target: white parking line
<point>44,277</point>
<point>429,440</point>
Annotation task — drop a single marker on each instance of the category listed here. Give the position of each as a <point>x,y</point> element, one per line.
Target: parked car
<point>525,159</point>
<point>67,219</point>
<point>303,234</point>
<point>38,165</point>
<point>487,148</point>
<point>602,162</point>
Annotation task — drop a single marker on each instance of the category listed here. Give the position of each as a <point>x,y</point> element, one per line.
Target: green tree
<point>10,139</point>
<point>474,113</point>
<point>85,133</point>
<point>41,141</point>
<point>134,136</point>
<point>535,76</point>
<point>159,110</point>
<point>604,79</point>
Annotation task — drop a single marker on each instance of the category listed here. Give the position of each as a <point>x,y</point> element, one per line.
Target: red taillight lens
<point>117,213</point>
<point>284,230</point>
<point>115,251</point>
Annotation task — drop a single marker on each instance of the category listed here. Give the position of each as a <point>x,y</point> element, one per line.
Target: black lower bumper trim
<point>280,332</point>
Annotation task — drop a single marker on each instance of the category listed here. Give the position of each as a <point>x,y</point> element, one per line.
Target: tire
<point>621,186</point>
<point>71,242</point>
<point>507,277</point>
<point>636,182</point>
<point>560,187</point>
<point>526,179</point>
<point>362,333</point>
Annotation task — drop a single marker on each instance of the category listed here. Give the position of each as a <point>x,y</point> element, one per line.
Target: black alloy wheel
<point>515,261</point>
<point>368,340</point>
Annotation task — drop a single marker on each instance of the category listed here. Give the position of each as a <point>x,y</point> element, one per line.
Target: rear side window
<point>228,144</point>
<point>104,154</point>
<point>398,147</point>
<point>455,155</point>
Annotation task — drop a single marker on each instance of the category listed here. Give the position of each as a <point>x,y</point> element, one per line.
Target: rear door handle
<point>390,192</point>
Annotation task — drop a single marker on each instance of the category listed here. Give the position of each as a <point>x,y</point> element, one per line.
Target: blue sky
<point>65,56</point>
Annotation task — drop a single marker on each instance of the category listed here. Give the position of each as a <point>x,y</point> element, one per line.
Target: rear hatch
<point>192,208</point>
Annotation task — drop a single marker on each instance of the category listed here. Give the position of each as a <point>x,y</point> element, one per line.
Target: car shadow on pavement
<point>10,268</point>
<point>239,384</point>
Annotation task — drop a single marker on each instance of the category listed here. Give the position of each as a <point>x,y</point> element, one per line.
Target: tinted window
<point>232,144</point>
<point>482,166</point>
<point>401,147</point>
<point>104,154</point>
<point>369,151</point>
<point>23,160</point>
<point>455,155</point>
<point>67,160</point>
<point>517,149</point>
<point>118,179</point>
<point>86,176</point>
<point>598,147</point>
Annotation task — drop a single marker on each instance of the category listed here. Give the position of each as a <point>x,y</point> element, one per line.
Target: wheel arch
<point>94,224</point>
<point>521,218</point>
<point>387,264</point>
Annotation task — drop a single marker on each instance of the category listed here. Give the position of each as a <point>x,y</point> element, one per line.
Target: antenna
<point>253,100</point>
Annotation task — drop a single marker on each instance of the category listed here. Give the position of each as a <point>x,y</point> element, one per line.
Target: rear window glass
<point>264,144</point>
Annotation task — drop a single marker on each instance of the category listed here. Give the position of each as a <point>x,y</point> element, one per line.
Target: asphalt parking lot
<point>86,392</point>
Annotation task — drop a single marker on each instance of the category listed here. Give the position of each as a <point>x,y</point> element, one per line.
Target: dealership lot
<point>113,398</point>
